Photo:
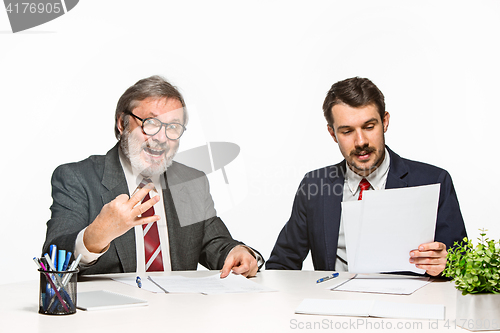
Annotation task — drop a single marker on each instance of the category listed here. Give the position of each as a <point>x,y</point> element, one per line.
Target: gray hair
<point>154,86</point>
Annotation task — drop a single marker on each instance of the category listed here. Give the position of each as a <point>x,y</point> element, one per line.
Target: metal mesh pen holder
<point>57,292</point>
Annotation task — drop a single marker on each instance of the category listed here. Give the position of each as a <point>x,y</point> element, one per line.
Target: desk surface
<point>260,312</point>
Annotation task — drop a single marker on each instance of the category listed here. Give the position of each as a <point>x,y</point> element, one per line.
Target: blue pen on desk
<point>138,281</point>
<point>326,278</point>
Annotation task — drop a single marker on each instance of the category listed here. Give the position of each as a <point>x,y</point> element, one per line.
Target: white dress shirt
<point>377,180</point>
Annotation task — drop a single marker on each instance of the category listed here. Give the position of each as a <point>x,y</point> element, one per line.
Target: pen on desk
<point>326,278</point>
<point>138,281</point>
<point>150,279</point>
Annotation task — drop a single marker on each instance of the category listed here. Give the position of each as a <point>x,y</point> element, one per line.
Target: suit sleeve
<point>450,226</point>
<point>69,210</point>
<point>217,241</point>
<point>292,245</point>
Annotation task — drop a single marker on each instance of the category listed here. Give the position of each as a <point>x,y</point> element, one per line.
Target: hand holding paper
<point>384,228</point>
<point>431,257</point>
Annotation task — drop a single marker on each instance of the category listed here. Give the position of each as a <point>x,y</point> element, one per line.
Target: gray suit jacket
<point>80,190</point>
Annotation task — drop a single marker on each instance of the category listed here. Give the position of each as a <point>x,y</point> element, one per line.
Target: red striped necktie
<point>152,247</point>
<point>363,185</point>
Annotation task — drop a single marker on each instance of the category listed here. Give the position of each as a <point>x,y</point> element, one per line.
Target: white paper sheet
<point>380,285</point>
<point>104,299</point>
<point>206,285</point>
<point>363,308</point>
<point>386,225</point>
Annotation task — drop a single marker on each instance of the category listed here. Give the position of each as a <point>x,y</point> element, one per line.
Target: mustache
<point>155,145</point>
<point>366,149</point>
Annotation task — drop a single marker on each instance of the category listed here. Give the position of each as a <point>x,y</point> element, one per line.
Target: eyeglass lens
<point>151,126</point>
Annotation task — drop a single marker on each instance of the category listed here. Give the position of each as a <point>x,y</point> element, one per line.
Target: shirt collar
<point>377,178</point>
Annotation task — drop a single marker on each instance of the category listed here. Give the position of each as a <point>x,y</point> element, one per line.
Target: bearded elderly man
<point>135,209</point>
<point>356,120</point>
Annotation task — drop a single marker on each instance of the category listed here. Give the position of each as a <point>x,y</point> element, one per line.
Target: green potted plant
<point>475,271</point>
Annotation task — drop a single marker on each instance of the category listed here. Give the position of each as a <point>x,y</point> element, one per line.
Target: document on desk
<point>360,308</point>
<point>381,284</point>
<point>382,229</point>
<point>103,300</point>
<point>205,285</point>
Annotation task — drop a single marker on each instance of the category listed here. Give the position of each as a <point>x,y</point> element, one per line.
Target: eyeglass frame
<point>161,122</point>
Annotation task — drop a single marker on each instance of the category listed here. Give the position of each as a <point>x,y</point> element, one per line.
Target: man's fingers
<point>242,268</point>
<point>253,271</point>
<point>250,269</point>
<point>434,249</point>
<point>436,246</point>
<point>428,261</point>
<point>122,198</point>
<point>146,220</point>
<point>139,195</point>
<point>142,208</point>
<point>226,269</point>
<point>433,270</point>
<point>426,254</point>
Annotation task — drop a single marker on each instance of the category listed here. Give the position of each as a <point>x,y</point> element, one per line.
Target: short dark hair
<point>154,86</point>
<point>355,92</point>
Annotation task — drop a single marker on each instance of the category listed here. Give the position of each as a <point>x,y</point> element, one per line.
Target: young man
<point>356,119</point>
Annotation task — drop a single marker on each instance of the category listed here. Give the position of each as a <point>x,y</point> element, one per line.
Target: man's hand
<point>241,262</point>
<point>117,217</point>
<point>431,257</point>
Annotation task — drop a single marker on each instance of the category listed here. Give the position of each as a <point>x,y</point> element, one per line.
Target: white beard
<point>132,147</point>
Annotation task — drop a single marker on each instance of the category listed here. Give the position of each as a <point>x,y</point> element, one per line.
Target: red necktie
<point>363,185</point>
<point>152,248</point>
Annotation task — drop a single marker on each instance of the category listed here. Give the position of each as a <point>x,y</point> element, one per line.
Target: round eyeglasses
<point>151,126</point>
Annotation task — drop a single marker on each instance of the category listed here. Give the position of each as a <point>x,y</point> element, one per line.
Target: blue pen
<point>53,254</point>
<point>138,281</point>
<point>326,278</point>
<point>66,262</point>
<point>60,263</point>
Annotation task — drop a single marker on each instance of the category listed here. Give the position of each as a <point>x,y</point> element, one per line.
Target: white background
<point>256,75</point>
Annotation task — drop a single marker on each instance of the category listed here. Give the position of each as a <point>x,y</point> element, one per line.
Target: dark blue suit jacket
<point>315,220</point>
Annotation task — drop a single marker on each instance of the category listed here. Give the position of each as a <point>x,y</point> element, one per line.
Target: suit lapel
<point>114,181</point>
<point>176,239</point>
<point>397,171</point>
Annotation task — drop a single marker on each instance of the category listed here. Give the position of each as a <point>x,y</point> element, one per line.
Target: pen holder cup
<point>57,292</point>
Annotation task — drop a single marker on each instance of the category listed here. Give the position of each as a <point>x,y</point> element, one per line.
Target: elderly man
<point>356,119</point>
<point>135,209</point>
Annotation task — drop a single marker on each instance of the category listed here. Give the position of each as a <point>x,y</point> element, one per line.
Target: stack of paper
<point>205,285</point>
<point>103,299</point>
<point>382,284</point>
<point>382,229</point>
<point>370,309</point>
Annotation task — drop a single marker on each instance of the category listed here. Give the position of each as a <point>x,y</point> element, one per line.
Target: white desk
<point>260,312</point>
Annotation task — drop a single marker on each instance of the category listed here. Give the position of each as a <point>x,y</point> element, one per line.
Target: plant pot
<point>478,312</point>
